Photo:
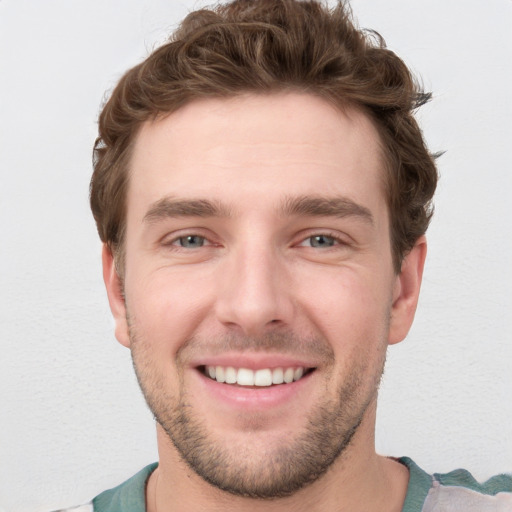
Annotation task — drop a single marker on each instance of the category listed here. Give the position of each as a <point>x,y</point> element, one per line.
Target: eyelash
<point>335,239</point>
<point>174,243</point>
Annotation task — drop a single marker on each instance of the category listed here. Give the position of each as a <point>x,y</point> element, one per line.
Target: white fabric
<point>81,508</point>
<point>446,498</point>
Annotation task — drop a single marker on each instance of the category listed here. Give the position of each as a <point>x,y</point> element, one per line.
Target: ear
<point>115,296</point>
<point>406,291</point>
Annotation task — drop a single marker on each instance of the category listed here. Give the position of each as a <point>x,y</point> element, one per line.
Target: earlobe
<point>115,296</point>
<point>406,291</point>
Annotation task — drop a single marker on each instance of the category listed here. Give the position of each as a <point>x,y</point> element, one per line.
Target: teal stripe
<point>127,497</point>
<point>463,478</point>
<point>419,485</point>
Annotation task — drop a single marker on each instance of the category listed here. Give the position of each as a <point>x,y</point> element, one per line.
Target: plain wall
<point>72,420</point>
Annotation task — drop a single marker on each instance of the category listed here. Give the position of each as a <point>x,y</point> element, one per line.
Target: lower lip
<point>253,398</point>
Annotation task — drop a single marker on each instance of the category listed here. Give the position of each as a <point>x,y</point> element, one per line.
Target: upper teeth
<point>247,377</point>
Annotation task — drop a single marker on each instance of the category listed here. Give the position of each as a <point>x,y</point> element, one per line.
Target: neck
<point>359,480</point>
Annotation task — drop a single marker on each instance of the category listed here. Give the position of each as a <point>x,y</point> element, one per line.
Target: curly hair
<point>264,47</point>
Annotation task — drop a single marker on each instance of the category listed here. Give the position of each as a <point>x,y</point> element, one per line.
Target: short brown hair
<point>268,46</point>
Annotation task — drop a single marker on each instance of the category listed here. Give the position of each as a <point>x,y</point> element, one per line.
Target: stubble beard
<point>285,467</point>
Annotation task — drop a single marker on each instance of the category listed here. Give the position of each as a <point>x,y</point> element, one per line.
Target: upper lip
<point>254,361</point>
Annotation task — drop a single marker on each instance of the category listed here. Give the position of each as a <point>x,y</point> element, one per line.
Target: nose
<point>253,293</point>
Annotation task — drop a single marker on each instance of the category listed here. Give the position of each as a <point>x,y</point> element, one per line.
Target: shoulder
<point>455,491</point>
<point>130,495</point>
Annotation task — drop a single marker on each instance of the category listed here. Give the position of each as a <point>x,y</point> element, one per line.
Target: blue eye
<point>190,241</point>
<point>322,241</point>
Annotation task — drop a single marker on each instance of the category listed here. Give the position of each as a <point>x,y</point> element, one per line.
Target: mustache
<point>289,343</point>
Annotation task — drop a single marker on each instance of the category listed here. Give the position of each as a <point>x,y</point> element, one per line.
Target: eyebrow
<point>321,206</point>
<point>170,207</point>
<point>315,206</point>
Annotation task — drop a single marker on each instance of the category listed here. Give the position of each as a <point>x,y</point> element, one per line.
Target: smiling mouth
<point>264,377</point>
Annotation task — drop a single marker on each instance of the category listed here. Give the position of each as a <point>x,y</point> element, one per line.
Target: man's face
<point>257,251</point>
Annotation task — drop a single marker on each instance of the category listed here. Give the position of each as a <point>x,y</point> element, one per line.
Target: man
<point>262,191</point>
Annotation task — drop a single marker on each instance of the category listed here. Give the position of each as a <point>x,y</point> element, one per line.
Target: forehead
<point>252,147</point>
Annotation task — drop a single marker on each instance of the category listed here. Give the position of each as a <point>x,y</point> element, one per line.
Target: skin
<point>264,284</point>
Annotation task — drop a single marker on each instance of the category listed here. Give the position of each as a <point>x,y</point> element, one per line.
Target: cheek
<point>350,308</point>
<point>166,309</point>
